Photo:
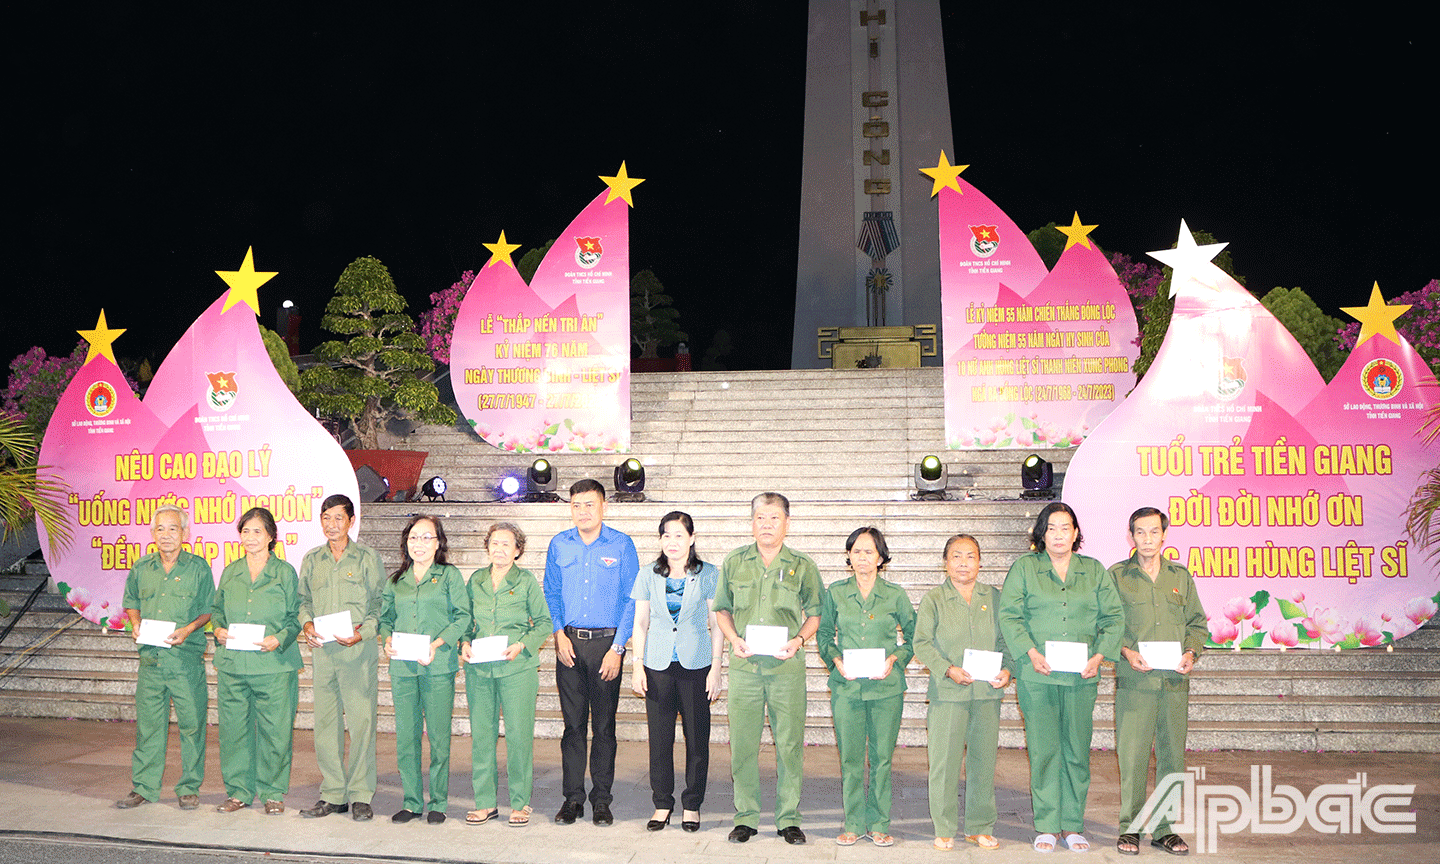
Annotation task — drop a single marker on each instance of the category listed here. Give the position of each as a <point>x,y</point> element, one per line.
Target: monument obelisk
<point>877,109</point>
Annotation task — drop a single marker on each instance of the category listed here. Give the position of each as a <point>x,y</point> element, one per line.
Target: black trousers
<point>678,690</point>
<point>585,697</point>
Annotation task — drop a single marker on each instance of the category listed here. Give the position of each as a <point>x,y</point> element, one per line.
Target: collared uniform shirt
<point>1036,607</point>
<point>182,595</point>
<point>848,620</point>
<point>439,607</point>
<point>946,626</point>
<point>355,582</point>
<point>1166,610</point>
<point>271,599</point>
<point>515,610</point>
<point>784,594</point>
<point>589,586</point>
<point>687,638</point>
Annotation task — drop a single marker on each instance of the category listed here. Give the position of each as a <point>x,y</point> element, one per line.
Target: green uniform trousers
<point>751,696</point>
<point>423,703</point>
<point>257,728</point>
<point>515,696</point>
<point>1144,718</point>
<point>866,728</point>
<point>1058,725</point>
<point>971,729</point>
<point>155,689</point>
<point>346,694</point>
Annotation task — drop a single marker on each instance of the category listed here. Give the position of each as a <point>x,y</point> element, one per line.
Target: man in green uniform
<point>172,585</point>
<point>343,576</point>
<point>1152,705</point>
<point>771,585</point>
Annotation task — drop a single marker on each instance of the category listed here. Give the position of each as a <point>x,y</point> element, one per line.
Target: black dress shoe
<point>601,814</point>
<point>657,824</point>
<point>692,827</point>
<point>404,816</point>
<point>324,808</point>
<point>435,817</point>
<point>793,835</point>
<point>569,812</point>
<point>741,833</point>
<point>361,812</point>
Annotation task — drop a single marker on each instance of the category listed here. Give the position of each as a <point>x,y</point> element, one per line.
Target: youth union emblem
<point>588,251</point>
<point>1232,378</point>
<point>223,390</point>
<point>985,240</point>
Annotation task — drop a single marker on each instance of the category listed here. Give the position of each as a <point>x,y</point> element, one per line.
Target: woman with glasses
<point>425,609</point>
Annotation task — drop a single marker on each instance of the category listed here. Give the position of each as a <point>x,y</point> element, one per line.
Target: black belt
<point>586,634</point>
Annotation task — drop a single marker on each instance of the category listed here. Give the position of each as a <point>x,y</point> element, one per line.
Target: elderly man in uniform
<point>589,572</point>
<point>343,576</point>
<point>1152,705</point>
<point>170,585</point>
<point>767,583</point>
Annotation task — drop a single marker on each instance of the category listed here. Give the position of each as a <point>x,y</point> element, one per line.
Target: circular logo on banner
<point>100,399</point>
<point>984,240</point>
<point>587,251</point>
<point>222,390</point>
<point>1381,378</point>
<point>1232,378</point>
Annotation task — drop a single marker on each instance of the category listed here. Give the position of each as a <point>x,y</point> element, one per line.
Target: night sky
<point>149,151</point>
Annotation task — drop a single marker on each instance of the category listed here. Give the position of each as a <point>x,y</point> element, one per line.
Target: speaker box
<point>372,485</point>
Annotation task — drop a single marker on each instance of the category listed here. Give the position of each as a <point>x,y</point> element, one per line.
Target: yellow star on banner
<point>102,340</point>
<point>1186,257</point>
<point>1375,318</point>
<point>1075,233</point>
<point>620,186</point>
<point>500,252</point>
<point>244,283</point>
<point>944,175</point>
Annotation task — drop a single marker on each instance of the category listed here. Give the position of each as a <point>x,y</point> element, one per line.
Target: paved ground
<point>58,779</point>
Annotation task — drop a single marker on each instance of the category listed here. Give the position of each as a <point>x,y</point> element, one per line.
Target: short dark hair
<point>266,519</point>
<point>956,539</point>
<point>339,501</point>
<point>693,563</point>
<point>771,498</point>
<point>1149,511</point>
<point>876,537</point>
<point>1042,521</point>
<point>580,487</point>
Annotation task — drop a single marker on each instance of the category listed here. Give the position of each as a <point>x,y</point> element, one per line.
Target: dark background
<point>148,149</point>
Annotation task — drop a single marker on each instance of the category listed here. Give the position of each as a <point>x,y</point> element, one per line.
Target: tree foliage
<point>375,369</point>
<point>1049,242</point>
<point>26,491</point>
<point>653,318</point>
<point>1311,327</point>
<point>437,324</point>
<point>1420,326</point>
<point>720,345</point>
<point>1159,308</point>
<point>530,261</point>
<point>280,356</point>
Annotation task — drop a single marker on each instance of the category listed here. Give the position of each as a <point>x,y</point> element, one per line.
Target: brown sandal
<point>230,805</point>
<point>520,818</point>
<point>480,817</point>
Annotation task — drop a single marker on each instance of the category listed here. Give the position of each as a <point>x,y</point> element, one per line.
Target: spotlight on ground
<point>509,486</point>
<point>540,481</point>
<point>1036,476</point>
<point>434,488</point>
<point>931,479</point>
<point>629,481</point>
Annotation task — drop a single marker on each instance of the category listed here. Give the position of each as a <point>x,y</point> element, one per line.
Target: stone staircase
<point>842,446</point>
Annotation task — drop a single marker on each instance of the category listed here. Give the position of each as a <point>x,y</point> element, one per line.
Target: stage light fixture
<point>434,488</point>
<point>540,481</point>
<point>1036,476</point>
<point>629,481</point>
<point>509,485</point>
<point>931,479</point>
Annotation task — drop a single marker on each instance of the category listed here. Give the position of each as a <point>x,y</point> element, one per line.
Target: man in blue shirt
<point>589,572</point>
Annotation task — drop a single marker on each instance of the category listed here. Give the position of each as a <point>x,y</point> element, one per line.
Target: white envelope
<point>153,632</point>
<point>1067,656</point>
<point>1161,655</point>
<point>489,649</point>
<point>243,637</point>
<point>336,625</point>
<point>410,646</point>
<point>864,662</point>
<point>766,639</point>
<point>982,665</point>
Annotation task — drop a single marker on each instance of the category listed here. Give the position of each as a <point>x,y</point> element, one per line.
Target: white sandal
<point>1044,838</point>
<point>1077,840</point>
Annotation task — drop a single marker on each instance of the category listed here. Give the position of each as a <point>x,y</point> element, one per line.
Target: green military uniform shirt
<point>439,607</point>
<point>516,610</point>
<point>1166,610</point>
<point>354,582</point>
<point>946,626</point>
<point>182,595</point>
<point>1036,607</point>
<point>871,622</point>
<point>784,594</point>
<point>272,599</point>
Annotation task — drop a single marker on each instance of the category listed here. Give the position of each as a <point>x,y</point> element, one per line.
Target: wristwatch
<point>618,649</point>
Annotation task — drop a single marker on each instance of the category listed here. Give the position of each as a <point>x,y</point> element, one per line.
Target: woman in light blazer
<point>677,665</point>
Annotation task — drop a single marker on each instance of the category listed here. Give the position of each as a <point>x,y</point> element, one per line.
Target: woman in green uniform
<point>505,601</point>
<point>258,685</point>
<point>964,715</point>
<point>427,596</point>
<point>1055,596</point>
<point>859,613</point>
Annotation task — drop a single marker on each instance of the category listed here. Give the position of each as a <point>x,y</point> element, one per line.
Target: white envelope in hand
<point>864,662</point>
<point>153,632</point>
<point>1067,656</point>
<point>410,646</point>
<point>982,665</point>
<point>489,650</point>
<point>244,637</point>
<point>337,625</point>
<point>1161,655</point>
<point>766,639</point>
